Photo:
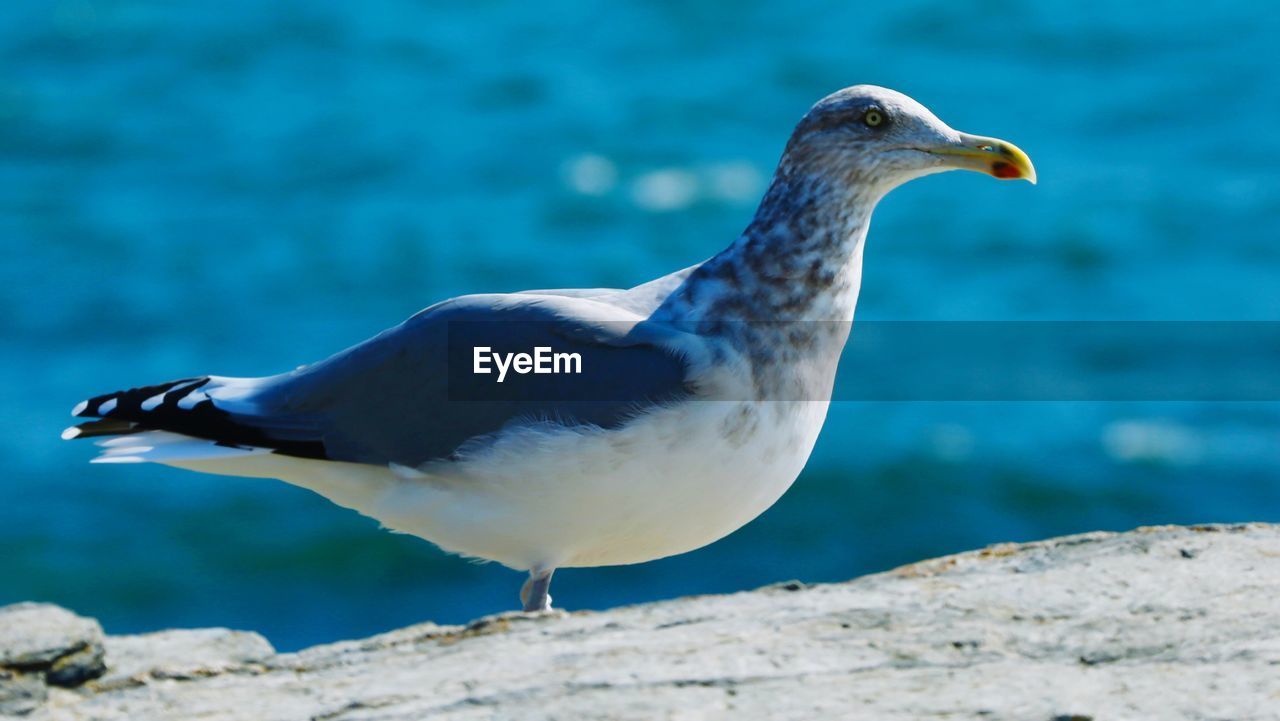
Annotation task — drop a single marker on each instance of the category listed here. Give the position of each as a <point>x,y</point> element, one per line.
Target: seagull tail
<point>204,418</point>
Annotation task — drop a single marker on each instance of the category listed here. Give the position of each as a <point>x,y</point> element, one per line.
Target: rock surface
<point>1159,623</point>
<point>43,645</point>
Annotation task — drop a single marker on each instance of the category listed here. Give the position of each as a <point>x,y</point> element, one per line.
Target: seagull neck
<point>799,259</point>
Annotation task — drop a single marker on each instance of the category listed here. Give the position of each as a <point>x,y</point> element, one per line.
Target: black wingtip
<point>102,427</point>
<point>109,408</point>
<point>134,399</point>
<point>171,407</point>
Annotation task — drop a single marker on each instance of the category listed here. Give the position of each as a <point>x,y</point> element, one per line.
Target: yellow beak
<point>987,155</point>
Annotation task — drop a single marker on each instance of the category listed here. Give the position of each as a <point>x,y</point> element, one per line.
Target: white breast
<point>669,482</point>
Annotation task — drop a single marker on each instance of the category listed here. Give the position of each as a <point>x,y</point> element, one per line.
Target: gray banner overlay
<point>900,361</point>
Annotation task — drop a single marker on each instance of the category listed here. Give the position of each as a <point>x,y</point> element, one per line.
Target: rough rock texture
<point>41,646</point>
<point>1159,623</point>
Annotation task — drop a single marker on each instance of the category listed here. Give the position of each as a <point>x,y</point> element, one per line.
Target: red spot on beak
<point>1004,170</point>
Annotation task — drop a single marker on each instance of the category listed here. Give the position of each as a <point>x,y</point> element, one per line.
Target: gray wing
<point>409,395</point>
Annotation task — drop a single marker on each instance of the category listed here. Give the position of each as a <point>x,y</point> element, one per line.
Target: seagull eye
<point>873,118</point>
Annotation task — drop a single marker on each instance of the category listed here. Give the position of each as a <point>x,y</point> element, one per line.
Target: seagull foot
<point>534,594</point>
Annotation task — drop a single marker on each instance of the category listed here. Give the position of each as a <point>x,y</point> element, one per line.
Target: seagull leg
<point>534,592</point>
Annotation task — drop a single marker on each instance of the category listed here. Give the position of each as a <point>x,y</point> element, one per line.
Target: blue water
<point>240,187</point>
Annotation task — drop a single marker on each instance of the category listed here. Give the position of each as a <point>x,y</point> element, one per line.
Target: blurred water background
<point>240,187</point>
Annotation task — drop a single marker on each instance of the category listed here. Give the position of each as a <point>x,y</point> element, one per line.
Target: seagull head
<point>873,139</point>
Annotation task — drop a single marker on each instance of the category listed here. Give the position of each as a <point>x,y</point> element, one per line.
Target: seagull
<point>565,428</point>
